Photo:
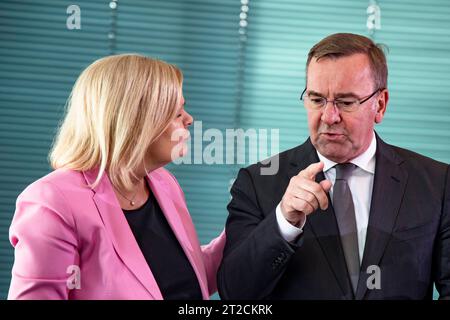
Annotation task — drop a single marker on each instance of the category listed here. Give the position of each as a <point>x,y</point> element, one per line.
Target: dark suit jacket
<point>408,234</point>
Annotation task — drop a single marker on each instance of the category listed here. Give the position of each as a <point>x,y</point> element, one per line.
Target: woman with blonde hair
<point>110,222</point>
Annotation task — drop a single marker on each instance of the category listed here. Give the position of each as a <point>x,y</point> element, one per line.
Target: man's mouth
<point>332,135</point>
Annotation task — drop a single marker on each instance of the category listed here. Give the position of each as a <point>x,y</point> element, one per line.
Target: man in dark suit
<point>347,216</point>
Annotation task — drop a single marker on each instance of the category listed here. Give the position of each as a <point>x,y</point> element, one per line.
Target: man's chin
<point>333,151</point>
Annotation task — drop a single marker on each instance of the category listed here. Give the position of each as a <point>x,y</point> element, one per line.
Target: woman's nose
<point>189,119</point>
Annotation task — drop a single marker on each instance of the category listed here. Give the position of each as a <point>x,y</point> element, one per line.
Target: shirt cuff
<point>287,230</point>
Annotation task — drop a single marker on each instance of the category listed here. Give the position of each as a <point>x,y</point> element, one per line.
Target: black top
<point>165,256</point>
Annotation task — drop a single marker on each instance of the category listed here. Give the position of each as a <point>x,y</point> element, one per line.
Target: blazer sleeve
<point>442,261</point>
<point>45,244</point>
<point>212,256</point>
<point>255,254</point>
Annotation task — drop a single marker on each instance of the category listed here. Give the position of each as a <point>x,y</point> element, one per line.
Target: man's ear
<point>382,102</point>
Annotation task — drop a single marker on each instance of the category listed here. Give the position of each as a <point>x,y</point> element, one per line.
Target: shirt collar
<point>365,160</point>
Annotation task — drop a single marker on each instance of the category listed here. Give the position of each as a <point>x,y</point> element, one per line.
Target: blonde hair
<point>118,107</point>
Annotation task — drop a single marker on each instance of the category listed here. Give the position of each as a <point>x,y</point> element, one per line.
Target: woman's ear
<point>382,102</point>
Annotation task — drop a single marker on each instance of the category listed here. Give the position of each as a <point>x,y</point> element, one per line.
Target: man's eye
<point>345,103</point>
<point>316,100</point>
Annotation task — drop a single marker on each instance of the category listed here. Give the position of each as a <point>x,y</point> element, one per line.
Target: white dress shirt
<point>360,184</point>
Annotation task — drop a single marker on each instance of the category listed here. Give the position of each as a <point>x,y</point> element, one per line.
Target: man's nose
<point>330,113</point>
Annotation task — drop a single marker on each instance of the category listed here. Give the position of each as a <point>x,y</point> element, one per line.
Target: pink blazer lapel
<point>179,220</point>
<point>120,233</point>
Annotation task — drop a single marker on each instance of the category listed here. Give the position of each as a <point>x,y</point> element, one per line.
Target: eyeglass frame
<point>360,101</point>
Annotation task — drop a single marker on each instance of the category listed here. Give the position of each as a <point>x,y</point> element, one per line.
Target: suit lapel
<point>179,221</point>
<point>121,234</point>
<point>324,226</point>
<point>388,189</point>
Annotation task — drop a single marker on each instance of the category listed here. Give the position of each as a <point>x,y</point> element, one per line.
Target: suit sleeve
<point>255,253</point>
<point>44,244</point>
<point>443,246</point>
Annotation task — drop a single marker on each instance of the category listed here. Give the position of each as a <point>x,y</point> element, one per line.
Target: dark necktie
<point>345,216</point>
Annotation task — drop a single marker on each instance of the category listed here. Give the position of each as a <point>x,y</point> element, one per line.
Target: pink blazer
<point>74,242</point>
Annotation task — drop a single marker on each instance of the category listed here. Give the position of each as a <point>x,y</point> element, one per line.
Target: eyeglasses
<point>315,102</point>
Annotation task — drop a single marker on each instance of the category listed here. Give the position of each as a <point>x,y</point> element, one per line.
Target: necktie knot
<point>344,170</point>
